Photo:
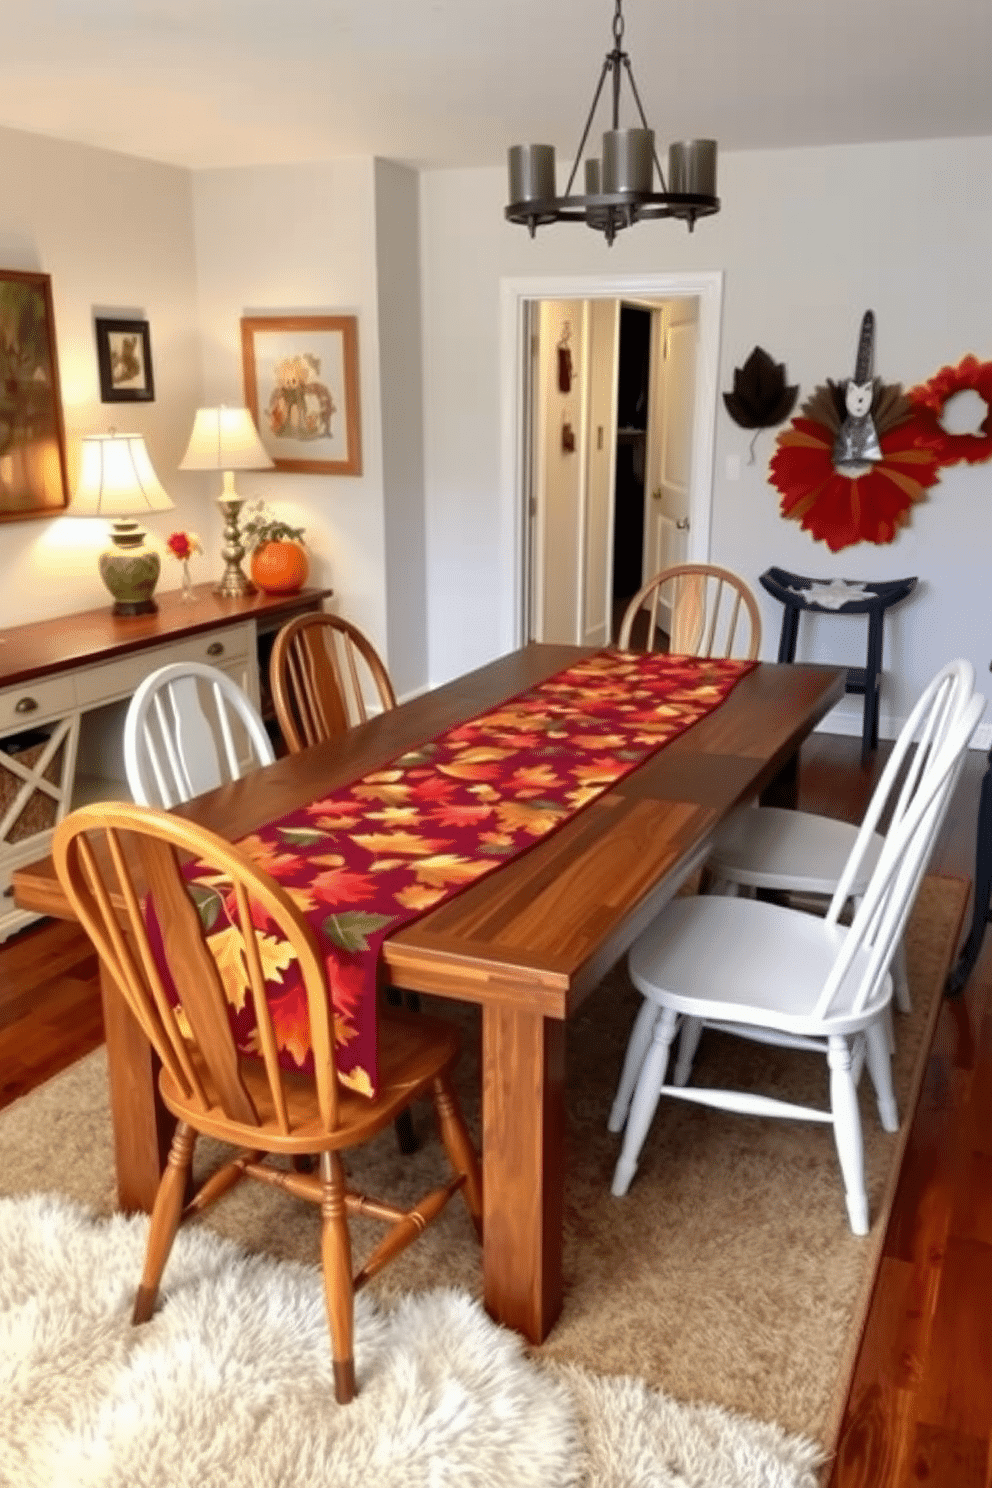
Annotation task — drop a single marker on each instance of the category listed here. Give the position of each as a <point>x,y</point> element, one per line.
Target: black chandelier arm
<point>607,67</point>
<point>640,110</point>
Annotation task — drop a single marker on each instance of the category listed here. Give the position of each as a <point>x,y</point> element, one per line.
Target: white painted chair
<point>705,610</point>
<point>190,728</point>
<point>775,974</point>
<point>798,852</point>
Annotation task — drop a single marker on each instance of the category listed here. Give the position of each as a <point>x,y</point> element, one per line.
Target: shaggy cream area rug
<point>229,1385</point>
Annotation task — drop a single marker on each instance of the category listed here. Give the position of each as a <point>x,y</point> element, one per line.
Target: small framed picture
<point>301,384</point>
<point>124,352</point>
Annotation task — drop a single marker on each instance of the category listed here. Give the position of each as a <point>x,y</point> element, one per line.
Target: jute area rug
<point>727,1275</point>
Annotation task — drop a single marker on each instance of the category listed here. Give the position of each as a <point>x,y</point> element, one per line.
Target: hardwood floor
<point>920,1409</point>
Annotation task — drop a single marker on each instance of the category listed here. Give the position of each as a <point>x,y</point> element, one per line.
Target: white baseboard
<point>415,692</point>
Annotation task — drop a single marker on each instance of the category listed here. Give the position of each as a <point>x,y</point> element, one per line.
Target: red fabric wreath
<point>930,397</point>
<point>838,510</point>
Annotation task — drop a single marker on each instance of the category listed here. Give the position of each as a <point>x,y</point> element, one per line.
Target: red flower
<point>183,545</point>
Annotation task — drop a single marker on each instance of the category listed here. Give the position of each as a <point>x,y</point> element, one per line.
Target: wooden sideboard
<point>64,689</point>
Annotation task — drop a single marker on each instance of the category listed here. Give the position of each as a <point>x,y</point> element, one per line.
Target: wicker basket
<point>40,811</point>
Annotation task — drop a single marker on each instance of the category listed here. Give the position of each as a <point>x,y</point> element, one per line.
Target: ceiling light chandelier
<point>620,186</point>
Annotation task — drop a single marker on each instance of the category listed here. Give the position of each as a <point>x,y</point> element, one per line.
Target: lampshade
<point>117,480</point>
<point>224,439</point>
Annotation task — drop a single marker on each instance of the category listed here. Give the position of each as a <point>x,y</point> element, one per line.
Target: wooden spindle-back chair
<point>107,856</point>
<point>319,673</point>
<point>704,610</point>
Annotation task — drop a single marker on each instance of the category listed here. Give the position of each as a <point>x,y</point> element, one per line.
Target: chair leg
<point>645,1101</point>
<point>166,1214</point>
<point>637,1047</point>
<point>692,1032</point>
<point>847,1132</point>
<point>879,1061</point>
<point>335,1254</point>
<point>458,1146</point>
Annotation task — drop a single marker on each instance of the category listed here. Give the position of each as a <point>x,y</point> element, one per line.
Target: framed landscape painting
<point>33,480</point>
<point>301,384</point>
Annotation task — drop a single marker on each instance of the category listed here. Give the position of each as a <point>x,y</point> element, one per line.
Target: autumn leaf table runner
<point>377,853</point>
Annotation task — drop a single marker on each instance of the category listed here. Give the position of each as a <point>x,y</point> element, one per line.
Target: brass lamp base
<point>233,582</point>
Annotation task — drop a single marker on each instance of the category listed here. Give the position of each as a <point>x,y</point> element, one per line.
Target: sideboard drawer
<point>218,647</point>
<point>32,702</point>
<point>120,678</point>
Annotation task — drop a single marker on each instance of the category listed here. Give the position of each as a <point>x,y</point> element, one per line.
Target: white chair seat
<point>773,978</point>
<point>769,847</point>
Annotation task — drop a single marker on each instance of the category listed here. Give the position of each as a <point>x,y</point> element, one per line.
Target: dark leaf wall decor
<point>760,399</point>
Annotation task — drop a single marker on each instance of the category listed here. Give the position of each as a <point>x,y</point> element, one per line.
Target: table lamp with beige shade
<point>117,480</point>
<point>226,439</point>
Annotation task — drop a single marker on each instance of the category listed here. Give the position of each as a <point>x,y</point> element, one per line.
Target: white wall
<point>808,240</point>
<point>281,240</point>
<point>397,237</point>
<point>115,235</point>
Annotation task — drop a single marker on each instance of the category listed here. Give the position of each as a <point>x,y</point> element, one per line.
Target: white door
<point>668,488</point>
<point>572,453</point>
<point>558,477</point>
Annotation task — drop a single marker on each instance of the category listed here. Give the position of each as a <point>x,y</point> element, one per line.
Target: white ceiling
<point>452,82</point>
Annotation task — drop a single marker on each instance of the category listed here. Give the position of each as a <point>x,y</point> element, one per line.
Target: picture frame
<point>124,355</point>
<point>301,385</point>
<point>33,474</point>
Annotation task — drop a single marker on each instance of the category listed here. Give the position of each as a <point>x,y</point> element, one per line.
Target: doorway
<point>634,393</point>
<point>519,562</point>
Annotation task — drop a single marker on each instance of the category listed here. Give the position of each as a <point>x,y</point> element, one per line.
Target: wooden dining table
<point>528,943</point>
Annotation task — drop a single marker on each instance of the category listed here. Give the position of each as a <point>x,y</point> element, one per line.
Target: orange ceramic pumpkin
<point>279,567</point>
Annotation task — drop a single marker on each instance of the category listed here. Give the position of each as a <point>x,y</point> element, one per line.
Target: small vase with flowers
<point>182,545</point>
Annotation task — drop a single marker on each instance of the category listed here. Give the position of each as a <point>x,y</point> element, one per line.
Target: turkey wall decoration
<point>853,463</point>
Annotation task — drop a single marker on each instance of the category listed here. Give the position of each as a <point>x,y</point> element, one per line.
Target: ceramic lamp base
<point>130,569</point>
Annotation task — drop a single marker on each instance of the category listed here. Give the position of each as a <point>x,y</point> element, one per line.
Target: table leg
<point>783,791</point>
<point>982,890</point>
<point>523,1166</point>
<point>142,1126</point>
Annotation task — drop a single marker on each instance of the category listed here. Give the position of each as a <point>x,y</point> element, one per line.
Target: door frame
<point>515,296</point>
